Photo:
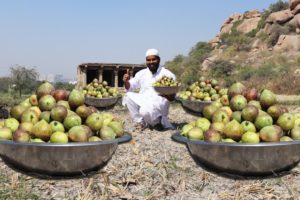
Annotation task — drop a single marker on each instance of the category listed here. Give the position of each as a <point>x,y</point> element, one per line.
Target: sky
<point>56,36</point>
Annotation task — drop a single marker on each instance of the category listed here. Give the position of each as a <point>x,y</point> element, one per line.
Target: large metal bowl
<point>48,159</point>
<point>193,107</point>
<point>101,102</point>
<point>243,159</point>
<point>166,90</point>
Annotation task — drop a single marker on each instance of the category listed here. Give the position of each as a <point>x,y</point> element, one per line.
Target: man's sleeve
<point>134,83</point>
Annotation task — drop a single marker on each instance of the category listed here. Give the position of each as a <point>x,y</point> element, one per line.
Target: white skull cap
<point>152,52</point>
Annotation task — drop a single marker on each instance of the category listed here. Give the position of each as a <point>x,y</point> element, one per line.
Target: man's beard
<point>153,67</point>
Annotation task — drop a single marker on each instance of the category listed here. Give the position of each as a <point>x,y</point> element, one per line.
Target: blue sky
<point>56,36</point>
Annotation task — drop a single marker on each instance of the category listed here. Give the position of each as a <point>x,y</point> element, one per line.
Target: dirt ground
<point>151,166</point>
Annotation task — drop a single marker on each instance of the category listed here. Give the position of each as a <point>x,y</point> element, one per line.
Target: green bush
<point>64,85</point>
<point>246,72</point>
<point>200,51</point>
<point>190,75</point>
<point>269,70</point>
<point>176,64</point>
<point>239,41</point>
<point>263,36</point>
<point>7,99</point>
<point>278,30</point>
<point>222,69</point>
<point>278,6</point>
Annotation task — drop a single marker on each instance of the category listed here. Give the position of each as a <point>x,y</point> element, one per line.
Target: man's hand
<point>126,78</point>
<point>170,97</point>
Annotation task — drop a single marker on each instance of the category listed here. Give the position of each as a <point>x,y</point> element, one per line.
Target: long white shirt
<point>147,97</point>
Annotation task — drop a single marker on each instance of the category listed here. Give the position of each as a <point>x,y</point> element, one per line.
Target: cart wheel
<point>4,113</point>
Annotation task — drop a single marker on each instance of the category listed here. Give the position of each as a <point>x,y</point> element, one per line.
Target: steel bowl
<point>101,102</point>
<point>48,159</point>
<point>243,159</point>
<point>166,90</point>
<point>193,107</point>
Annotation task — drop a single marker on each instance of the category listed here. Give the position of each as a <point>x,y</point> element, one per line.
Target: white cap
<point>152,52</point>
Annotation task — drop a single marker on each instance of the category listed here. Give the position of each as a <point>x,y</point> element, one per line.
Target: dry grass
<point>151,166</point>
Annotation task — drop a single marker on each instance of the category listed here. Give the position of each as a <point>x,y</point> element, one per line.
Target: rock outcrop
<point>288,42</point>
<point>289,18</point>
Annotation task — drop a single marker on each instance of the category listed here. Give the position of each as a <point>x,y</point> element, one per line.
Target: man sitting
<point>148,108</point>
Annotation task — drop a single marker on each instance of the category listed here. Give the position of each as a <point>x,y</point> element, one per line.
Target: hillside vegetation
<point>253,57</point>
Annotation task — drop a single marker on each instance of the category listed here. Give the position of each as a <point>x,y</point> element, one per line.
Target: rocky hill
<point>249,22</point>
<point>258,47</point>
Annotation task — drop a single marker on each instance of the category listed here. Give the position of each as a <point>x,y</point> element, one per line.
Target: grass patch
<point>15,188</point>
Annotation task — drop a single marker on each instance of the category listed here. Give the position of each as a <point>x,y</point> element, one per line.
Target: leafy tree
<point>24,79</point>
<point>4,84</point>
<point>64,85</point>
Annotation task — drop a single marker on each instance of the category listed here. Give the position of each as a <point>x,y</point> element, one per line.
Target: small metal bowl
<point>166,90</point>
<point>101,102</point>
<point>243,159</point>
<point>49,159</point>
<point>193,107</point>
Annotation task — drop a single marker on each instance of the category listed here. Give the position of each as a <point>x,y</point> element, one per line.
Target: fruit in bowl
<point>166,86</point>
<point>100,89</point>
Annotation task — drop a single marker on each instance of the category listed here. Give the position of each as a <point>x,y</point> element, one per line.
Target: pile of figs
<point>249,116</point>
<point>203,89</point>
<point>100,89</point>
<point>58,116</point>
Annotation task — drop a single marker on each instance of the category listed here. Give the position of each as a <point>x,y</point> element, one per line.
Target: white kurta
<point>147,105</point>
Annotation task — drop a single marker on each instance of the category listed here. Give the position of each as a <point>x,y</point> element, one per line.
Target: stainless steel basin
<point>108,102</point>
<point>59,159</point>
<point>193,107</point>
<point>241,158</point>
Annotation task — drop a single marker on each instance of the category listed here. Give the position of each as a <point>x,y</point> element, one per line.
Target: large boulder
<point>227,25</point>
<point>296,9</point>
<point>293,4</point>
<point>252,14</point>
<point>208,62</point>
<point>290,42</point>
<point>295,23</point>
<point>280,17</point>
<point>248,25</point>
<point>215,41</point>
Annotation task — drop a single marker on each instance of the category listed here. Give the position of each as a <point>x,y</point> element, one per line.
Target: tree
<point>24,78</point>
<point>4,84</point>
<point>63,85</point>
